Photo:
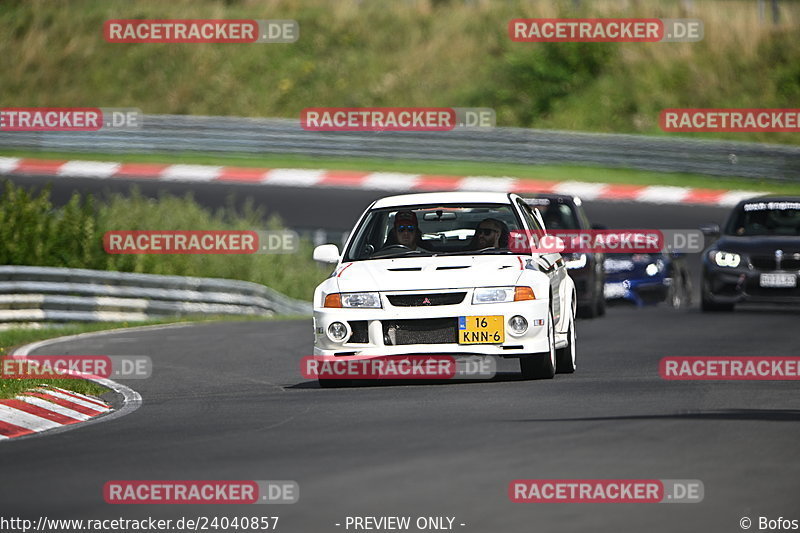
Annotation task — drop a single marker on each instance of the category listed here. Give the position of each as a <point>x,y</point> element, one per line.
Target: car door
<point>551,263</point>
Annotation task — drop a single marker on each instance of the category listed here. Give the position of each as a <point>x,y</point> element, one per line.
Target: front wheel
<point>541,365</point>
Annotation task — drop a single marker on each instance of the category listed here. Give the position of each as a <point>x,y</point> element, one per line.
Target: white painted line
<point>586,191</point>
<point>732,198</point>
<point>89,399</point>
<point>25,420</point>
<point>294,177</point>
<point>50,406</point>
<point>191,173</point>
<point>8,164</point>
<point>89,169</point>
<point>485,183</point>
<point>663,195</point>
<point>78,401</point>
<point>392,181</point>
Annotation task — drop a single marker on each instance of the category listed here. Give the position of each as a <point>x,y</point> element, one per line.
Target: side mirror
<point>710,230</point>
<point>326,253</point>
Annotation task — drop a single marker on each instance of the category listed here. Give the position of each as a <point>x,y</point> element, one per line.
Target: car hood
<point>758,244</point>
<point>425,273</point>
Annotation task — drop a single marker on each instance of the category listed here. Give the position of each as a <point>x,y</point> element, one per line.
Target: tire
<point>709,306</point>
<point>334,383</point>
<point>541,365</point>
<point>598,305</point>
<point>565,357</point>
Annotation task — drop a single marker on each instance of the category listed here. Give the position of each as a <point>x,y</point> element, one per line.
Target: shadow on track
<point>768,415</point>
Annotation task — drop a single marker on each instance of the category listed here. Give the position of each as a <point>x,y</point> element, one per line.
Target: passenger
<point>490,233</point>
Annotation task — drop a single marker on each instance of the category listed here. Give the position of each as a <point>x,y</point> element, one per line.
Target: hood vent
<point>405,269</point>
<point>456,267</point>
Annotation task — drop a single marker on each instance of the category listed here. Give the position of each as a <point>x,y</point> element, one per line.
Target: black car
<point>757,257</point>
<point>564,212</point>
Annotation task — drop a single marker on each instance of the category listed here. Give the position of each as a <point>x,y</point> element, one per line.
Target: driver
<point>490,233</point>
<point>406,230</point>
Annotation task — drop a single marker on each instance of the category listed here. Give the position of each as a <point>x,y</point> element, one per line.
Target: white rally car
<point>432,273</point>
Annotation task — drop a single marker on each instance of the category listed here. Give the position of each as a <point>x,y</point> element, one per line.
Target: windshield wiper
<point>403,253</point>
<point>484,251</point>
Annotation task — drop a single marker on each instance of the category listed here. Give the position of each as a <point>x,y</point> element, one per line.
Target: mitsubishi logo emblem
<point>426,301</point>
<point>778,259</point>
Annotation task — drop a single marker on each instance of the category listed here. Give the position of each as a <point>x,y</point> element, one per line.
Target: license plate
<point>480,330</point>
<point>778,280</point>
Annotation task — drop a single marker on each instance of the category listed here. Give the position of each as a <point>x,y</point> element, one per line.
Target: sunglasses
<point>406,228</point>
<point>485,231</point>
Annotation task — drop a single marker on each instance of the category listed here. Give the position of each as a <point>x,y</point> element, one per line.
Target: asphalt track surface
<point>227,401</point>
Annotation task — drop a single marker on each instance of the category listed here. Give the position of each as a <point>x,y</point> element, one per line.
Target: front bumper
<point>428,329</point>
<point>724,285</point>
<point>639,291</point>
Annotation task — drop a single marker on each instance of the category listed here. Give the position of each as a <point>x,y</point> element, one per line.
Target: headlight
<point>651,269</point>
<point>725,259</point>
<point>577,261</point>
<point>371,300</point>
<point>493,295</point>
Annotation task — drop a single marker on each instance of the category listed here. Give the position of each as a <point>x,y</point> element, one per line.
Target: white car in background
<point>447,292</point>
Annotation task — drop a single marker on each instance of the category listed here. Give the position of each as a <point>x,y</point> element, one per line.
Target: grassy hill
<point>415,53</point>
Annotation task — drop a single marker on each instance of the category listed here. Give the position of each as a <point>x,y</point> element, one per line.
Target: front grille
<point>414,300</point>
<point>767,262</point>
<point>420,331</point>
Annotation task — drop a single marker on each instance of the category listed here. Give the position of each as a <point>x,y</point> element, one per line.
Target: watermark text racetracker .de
<point>730,120</point>
<point>380,119</point>
<point>606,491</point>
<point>605,30</point>
<point>398,367</point>
<point>69,118</point>
<point>215,492</point>
<point>48,367</point>
<point>185,31</point>
<point>606,241</point>
<point>730,368</point>
<point>201,242</point>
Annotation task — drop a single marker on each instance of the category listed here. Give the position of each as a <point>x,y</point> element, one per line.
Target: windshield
<point>410,231</point>
<point>766,218</point>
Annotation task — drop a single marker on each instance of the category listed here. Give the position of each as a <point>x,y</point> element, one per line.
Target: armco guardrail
<point>32,294</point>
<point>230,135</point>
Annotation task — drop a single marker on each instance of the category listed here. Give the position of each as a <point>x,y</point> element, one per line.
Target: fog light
<point>337,331</point>
<point>518,324</point>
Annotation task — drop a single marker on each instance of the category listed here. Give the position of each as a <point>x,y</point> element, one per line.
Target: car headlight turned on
<point>365,300</point>
<point>337,332</point>
<point>725,259</point>
<point>518,324</point>
<point>494,295</point>
<point>577,261</point>
<point>651,269</point>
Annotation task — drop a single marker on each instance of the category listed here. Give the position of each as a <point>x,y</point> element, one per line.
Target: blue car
<point>648,279</point>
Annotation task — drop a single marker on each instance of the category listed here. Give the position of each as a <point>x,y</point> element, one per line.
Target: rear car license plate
<point>778,280</point>
<point>480,330</point>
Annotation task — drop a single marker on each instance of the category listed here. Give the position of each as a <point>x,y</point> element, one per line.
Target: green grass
<point>454,168</point>
<point>10,339</point>
<point>34,232</point>
<point>451,53</point>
